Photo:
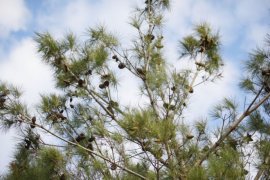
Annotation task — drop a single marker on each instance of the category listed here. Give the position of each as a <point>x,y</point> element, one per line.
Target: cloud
<point>229,17</point>
<point>7,148</point>
<point>185,14</point>
<point>249,11</point>
<point>79,15</point>
<point>14,16</point>
<point>253,17</point>
<point>255,37</point>
<point>23,67</point>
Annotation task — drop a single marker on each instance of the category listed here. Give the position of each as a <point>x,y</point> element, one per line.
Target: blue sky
<point>242,24</point>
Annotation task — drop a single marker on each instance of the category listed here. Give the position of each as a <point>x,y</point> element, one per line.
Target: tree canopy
<point>96,136</point>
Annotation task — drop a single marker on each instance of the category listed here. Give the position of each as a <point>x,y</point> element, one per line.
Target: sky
<point>242,25</point>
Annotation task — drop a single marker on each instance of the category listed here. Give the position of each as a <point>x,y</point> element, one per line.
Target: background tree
<point>257,83</point>
<point>98,137</point>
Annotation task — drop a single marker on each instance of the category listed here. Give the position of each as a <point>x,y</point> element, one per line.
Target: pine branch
<point>93,93</point>
<point>84,148</point>
<point>53,145</point>
<point>252,107</point>
<point>96,99</point>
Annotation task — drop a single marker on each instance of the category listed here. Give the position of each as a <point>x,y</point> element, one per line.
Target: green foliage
<point>201,126</point>
<point>197,173</point>
<point>257,123</point>
<point>100,55</point>
<point>226,164</point>
<point>257,82</point>
<point>99,36</point>
<point>101,137</point>
<point>11,106</point>
<point>247,85</point>
<point>70,42</point>
<point>49,47</point>
<point>227,106</point>
<point>51,103</point>
<point>204,42</point>
<point>264,147</point>
<point>189,45</point>
<point>257,61</point>
<point>142,168</point>
<point>49,164</point>
<point>258,70</point>
<point>138,123</point>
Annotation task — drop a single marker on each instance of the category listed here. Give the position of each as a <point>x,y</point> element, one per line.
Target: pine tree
<point>98,137</point>
<point>257,83</point>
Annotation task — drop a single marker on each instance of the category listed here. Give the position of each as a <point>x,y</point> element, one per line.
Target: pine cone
<point>121,66</point>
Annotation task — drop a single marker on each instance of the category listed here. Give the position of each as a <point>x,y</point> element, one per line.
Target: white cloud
<point>232,18</point>
<point>7,148</point>
<point>219,16</point>
<point>178,19</point>
<point>255,37</point>
<point>250,11</point>
<point>185,14</point>
<point>79,15</point>
<point>253,17</point>
<point>23,68</point>
<point>13,16</point>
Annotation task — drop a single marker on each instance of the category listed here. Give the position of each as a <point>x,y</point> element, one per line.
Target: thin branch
<point>234,125</point>
<point>256,97</point>
<point>53,145</point>
<point>102,106</point>
<point>84,148</point>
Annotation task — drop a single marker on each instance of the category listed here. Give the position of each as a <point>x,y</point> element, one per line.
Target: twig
<point>84,148</point>
<point>246,113</point>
